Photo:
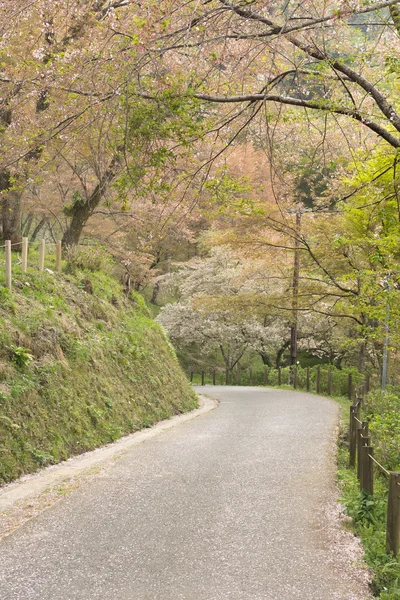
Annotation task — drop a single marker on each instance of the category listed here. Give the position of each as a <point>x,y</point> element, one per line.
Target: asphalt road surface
<point>236,504</point>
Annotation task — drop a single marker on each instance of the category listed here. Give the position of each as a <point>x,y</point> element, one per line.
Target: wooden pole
<point>362,434</point>
<point>202,378</point>
<point>308,379</point>
<point>279,376</point>
<point>58,255</point>
<point>295,377</point>
<point>213,376</point>
<point>352,438</point>
<point>41,254</point>
<point>318,380</point>
<point>8,264</point>
<point>191,376</point>
<point>393,515</point>
<point>367,471</point>
<point>24,254</point>
<point>350,387</point>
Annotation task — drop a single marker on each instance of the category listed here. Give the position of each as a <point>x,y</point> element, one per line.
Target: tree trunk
<point>11,210</point>
<point>156,291</point>
<point>83,210</point>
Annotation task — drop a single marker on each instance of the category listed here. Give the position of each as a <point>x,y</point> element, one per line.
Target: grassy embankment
<point>81,364</point>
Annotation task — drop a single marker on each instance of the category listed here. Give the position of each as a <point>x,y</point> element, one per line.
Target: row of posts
<point>362,458</point>
<point>24,258</point>
<point>294,378</point>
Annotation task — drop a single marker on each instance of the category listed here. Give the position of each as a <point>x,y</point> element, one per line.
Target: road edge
<point>68,472</point>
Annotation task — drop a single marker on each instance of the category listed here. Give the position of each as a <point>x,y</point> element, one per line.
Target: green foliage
<point>84,368</point>
<point>382,409</point>
<point>21,356</point>
<point>90,258</point>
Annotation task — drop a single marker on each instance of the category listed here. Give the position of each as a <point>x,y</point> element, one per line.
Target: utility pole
<point>295,290</point>
<point>386,340</point>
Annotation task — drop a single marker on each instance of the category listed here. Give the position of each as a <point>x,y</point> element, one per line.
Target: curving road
<point>237,504</point>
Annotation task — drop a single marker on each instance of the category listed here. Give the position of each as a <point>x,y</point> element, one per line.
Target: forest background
<point>237,159</point>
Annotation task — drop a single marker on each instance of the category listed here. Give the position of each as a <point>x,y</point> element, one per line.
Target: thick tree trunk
<point>82,211</point>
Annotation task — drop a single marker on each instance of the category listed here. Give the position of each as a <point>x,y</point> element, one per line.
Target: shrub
<point>88,258</point>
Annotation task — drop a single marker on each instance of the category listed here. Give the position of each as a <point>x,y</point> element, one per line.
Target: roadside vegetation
<point>81,364</point>
<point>368,514</point>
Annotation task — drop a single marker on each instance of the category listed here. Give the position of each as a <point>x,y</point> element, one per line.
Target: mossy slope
<point>100,368</point>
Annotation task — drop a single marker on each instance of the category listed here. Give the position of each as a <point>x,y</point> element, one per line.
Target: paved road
<point>229,506</point>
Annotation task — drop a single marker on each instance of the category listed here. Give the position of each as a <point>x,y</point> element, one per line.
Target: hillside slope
<point>80,365</point>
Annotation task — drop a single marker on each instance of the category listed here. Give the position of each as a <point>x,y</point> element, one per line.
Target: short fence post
<point>41,255</point>
<point>265,380</point>
<point>318,380</point>
<point>308,379</point>
<point>226,376</point>
<point>279,376</point>
<point>213,376</point>
<point>352,437</point>
<point>58,255</point>
<point>202,378</point>
<point>350,387</point>
<point>191,376</point>
<point>393,515</point>
<point>367,471</point>
<point>24,254</point>
<point>251,376</point>
<point>362,434</point>
<point>295,377</point>
<point>8,264</point>
<point>329,384</point>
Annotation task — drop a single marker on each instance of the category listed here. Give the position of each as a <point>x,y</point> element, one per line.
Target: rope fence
<point>361,457</point>
<point>24,256</point>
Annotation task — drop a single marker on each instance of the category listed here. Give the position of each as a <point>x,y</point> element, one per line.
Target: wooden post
<point>24,254</point>
<point>202,378</point>
<point>367,471</point>
<point>329,384</point>
<point>350,387</point>
<point>251,376</point>
<point>393,515</point>
<point>8,264</point>
<point>279,376</point>
<point>191,376</point>
<point>226,376</point>
<point>58,255</point>
<point>308,379</point>
<point>265,380</point>
<point>352,438</point>
<point>362,434</point>
<point>318,380</point>
<point>213,376</point>
<point>41,254</point>
<point>295,377</point>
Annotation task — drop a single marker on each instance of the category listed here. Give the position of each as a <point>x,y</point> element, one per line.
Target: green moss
<point>101,369</point>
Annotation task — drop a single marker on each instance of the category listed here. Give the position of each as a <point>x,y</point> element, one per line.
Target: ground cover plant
<point>81,364</point>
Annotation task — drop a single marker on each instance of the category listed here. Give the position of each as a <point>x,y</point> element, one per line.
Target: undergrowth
<point>368,513</point>
<point>81,364</point>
